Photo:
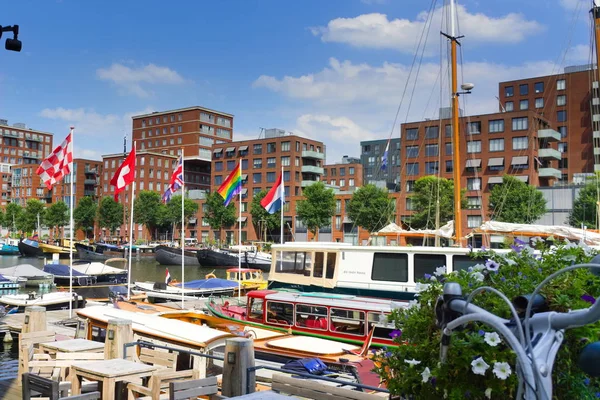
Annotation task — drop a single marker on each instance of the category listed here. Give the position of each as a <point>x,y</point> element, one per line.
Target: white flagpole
<point>71,234</point>
<point>182,230</point>
<point>240,235</point>
<point>281,220</point>
<point>131,226</point>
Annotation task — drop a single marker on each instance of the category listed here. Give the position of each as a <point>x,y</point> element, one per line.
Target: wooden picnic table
<point>72,346</point>
<point>108,373</point>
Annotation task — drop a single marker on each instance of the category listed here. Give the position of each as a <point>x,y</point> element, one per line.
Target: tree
<point>370,208</point>
<point>217,215</point>
<point>28,219</point>
<point>515,201</point>
<point>258,212</point>
<point>318,208</point>
<point>585,207</point>
<point>173,216</point>
<point>84,214</point>
<point>110,214</point>
<point>147,210</point>
<point>427,191</point>
<point>57,215</point>
<point>12,214</point>
<point>3,221</point>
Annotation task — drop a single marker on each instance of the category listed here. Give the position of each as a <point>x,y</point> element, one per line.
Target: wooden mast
<point>596,77</point>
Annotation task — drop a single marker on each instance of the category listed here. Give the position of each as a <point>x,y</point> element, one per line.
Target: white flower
<point>492,339</point>
<point>478,267</point>
<point>478,276</point>
<point>439,271</point>
<point>488,393</point>
<point>445,394</point>
<point>536,240</point>
<point>413,304</point>
<point>412,362</point>
<point>426,374</point>
<point>510,261</point>
<point>433,278</point>
<point>479,366</point>
<point>569,258</point>
<point>421,287</point>
<point>502,370</point>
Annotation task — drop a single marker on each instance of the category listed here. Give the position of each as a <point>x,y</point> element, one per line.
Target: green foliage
<point>12,214</point>
<point>371,208</point>
<point>318,208</point>
<point>173,215</point>
<point>259,213</point>
<point>427,191</point>
<point>149,210</point>
<point>217,215</point>
<point>28,219</point>
<point>2,218</point>
<point>585,207</point>
<point>84,214</point>
<point>514,273</point>
<point>110,214</point>
<point>515,201</point>
<point>57,215</point>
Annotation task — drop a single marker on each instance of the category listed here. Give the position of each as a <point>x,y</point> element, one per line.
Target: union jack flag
<point>57,164</point>
<point>176,181</point>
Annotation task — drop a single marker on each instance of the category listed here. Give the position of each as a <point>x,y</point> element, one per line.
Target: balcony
<point>307,183</point>
<point>550,173</point>
<point>10,134</point>
<point>549,134</point>
<point>89,193</point>
<point>89,171</point>
<point>313,154</point>
<point>549,154</point>
<point>313,169</point>
<point>38,139</point>
<point>90,182</point>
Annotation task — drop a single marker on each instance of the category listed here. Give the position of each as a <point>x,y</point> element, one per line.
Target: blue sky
<point>332,70</point>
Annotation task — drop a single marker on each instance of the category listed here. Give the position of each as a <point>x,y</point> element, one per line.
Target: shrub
<point>480,365</point>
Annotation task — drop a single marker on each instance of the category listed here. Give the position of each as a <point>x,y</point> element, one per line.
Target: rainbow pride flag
<point>232,185</point>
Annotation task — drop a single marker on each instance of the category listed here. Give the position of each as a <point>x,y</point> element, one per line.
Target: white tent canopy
<point>588,237</point>
<point>445,231</point>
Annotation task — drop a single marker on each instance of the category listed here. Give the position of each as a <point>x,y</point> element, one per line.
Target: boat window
<point>233,276</point>
<point>462,262</point>
<point>383,327</point>
<point>256,309</point>
<point>390,267</point>
<point>427,263</point>
<point>311,316</point>
<point>294,263</point>
<point>350,322</point>
<point>331,257</point>
<point>280,313</point>
<point>248,276</point>
<point>319,258</point>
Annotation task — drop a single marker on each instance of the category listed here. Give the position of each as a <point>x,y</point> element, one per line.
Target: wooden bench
<point>313,389</point>
<point>37,385</point>
<point>27,342</point>
<point>192,389</point>
<point>158,358</point>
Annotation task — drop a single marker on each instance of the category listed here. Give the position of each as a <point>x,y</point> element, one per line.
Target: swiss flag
<point>124,175</point>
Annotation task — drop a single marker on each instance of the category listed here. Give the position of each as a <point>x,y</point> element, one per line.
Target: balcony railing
<point>550,173</point>
<point>549,134</point>
<point>90,182</point>
<point>313,154</point>
<point>549,153</point>
<point>313,169</point>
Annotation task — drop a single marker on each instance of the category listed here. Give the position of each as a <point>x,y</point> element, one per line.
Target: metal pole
<point>182,230</point>
<point>71,225</point>
<point>131,229</point>
<point>240,236</point>
<point>281,220</point>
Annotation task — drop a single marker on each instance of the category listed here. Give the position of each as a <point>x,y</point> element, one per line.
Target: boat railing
<point>252,369</point>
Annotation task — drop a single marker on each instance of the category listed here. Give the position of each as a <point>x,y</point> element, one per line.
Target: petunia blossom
<point>412,362</point>
<point>492,338</point>
<point>426,374</point>
<point>502,370</point>
<point>492,265</point>
<point>439,271</point>
<point>479,366</point>
<point>395,333</point>
<point>588,298</point>
<point>478,276</point>
<point>488,393</point>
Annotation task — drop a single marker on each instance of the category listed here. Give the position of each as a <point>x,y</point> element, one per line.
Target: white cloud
<point>130,80</point>
<point>377,31</point>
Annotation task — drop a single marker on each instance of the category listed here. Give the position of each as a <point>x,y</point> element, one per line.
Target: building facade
<point>374,170</point>
<point>346,175</point>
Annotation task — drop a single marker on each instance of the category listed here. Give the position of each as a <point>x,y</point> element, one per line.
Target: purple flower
<point>388,354</point>
<point>491,265</point>
<point>427,276</point>
<point>525,277</point>
<point>520,242</point>
<point>517,286</point>
<point>483,248</point>
<point>520,273</point>
<point>396,333</point>
<point>588,298</point>
<point>481,332</point>
<point>470,284</point>
<point>597,395</point>
<point>516,249</point>
<point>503,279</point>
<point>374,351</point>
<point>468,394</point>
<point>540,270</point>
<point>470,247</point>
<point>586,381</point>
<point>433,380</point>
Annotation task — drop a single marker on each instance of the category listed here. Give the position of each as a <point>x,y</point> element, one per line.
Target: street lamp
<point>13,44</point>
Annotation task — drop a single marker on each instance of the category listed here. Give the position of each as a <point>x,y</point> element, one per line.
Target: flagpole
<point>282,203</point>
<point>240,235</point>
<point>131,228</point>
<point>71,235</point>
<point>182,230</point>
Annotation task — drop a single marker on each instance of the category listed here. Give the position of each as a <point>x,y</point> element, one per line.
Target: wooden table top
<point>73,345</point>
<point>112,368</point>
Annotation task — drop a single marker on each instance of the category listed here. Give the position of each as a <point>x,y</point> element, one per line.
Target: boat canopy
<point>491,227</point>
<point>212,283</point>
<point>30,242</point>
<point>4,279</point>
<point>23,271</point>
<point>61,270</point>
<point>445,231</point>
<point>108,246</point>
<point>97,268</point>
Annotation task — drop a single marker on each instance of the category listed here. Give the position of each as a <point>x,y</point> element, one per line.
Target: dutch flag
<point>167,277</point>
<point>275,199</point>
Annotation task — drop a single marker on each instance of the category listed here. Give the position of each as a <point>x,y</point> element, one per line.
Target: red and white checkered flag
<point>57,164</point>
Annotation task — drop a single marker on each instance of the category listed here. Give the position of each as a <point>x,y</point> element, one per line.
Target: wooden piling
<point>239,355</point>
<point>118,333</point>
<point>35,319</point>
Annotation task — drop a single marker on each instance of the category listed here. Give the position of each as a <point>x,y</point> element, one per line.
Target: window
<point>412,169</point>
<point>449,149</point>
<point>271,162</point>
<point>449,166</point>
<point>245,164</point>
<point>496,125</point>
<point>172,129</point>
<point>561,84</point>
<point>350,322</point>
<point>256,178</point>
<point>351,171</point>
<point>257,163</point>
<point>447,130</point>
<point>509,106</point>
<point>427,264</point>
<point>412,134</point>
<point>520,143</point>
<point>496,144</point>
<point>474,203</point>
<point>219,166</point>
<point>474,128</point>
<point>179,129</point>
<point>520,124</point>
<point>285,146</point>
<point>509,91</point>
<point>338,224</point>
<point>342,182</point>
<point>281,313</point>
<point>539,87</point>
<point>410,186</point>
<point>285,161</point>
<point>561,100</point>
<point>218,179</point>
<point>390,267</point>
<point>561,116</point>
<point>411,152</point>
<point>523,104</point>
<point>431,150</point>
<point>563,131</point>
<point>562,147</point>
<point>524,89</point>
<point>271,147</point>
<point>474,221</point>
<point>314,317</point>
<point>473,183</point>
<point>270,177</point>
<point>342,171</point>
<point>474,146</point>
<point>230,165</point>
<point>539,102</point>
<point>257,149</point>
<point>351,182</point>
<point>563,163</point>
<point>432,132</point>
<point>431,168</point>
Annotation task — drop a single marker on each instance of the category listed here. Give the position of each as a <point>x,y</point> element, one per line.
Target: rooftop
<point>156,113</point>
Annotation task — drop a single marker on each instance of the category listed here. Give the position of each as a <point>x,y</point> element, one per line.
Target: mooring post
<point>239,356</point>
<point>118,333</point>
<point>35,319</point>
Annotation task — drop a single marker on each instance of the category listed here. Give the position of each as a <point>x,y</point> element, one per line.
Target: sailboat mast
<point>595,127</point>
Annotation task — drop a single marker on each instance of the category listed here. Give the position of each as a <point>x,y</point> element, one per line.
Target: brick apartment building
<point>346,175</point>
<point>370,158</point>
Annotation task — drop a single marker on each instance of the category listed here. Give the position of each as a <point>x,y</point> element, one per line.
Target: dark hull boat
<point>172,256</point>
<point>216,258</point>
<point>9,250</point>
<point>62,276</point>
<point>30,248</point>
<point>97,252</point>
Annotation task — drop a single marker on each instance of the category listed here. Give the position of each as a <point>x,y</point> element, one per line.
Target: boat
<point>9,250</point>
<point>248,278</point>
<point>166,255</point>
<point>103,272</point>
<point>216,258</point>
<point>98,251</point>
<point>63,275</point>
<point>160,291</point>
<point>30,248</point>
<point>8,284</point>
<point>35,277</point>
<point>50,249</point>
<point>144,251</point>
<point>344,318</point>
<point>250,256</point>
<point>51,301</point>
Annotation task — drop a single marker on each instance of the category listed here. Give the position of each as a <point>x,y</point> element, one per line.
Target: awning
<point>244,177</point>
<point>242,219</point>
<point>522,178</point>
<point>494,180</point>
<point>496,162</point>
<point>474,163</point>
<point>217,151</point>
<point>243,148</point>
<point>244,191</point>
<point>520,160</point>
<point>229,149</point>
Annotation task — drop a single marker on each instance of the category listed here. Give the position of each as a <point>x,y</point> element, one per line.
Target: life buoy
<point>209,276</point>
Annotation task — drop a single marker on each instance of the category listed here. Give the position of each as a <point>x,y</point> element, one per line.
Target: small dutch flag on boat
<point>167,277</point>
